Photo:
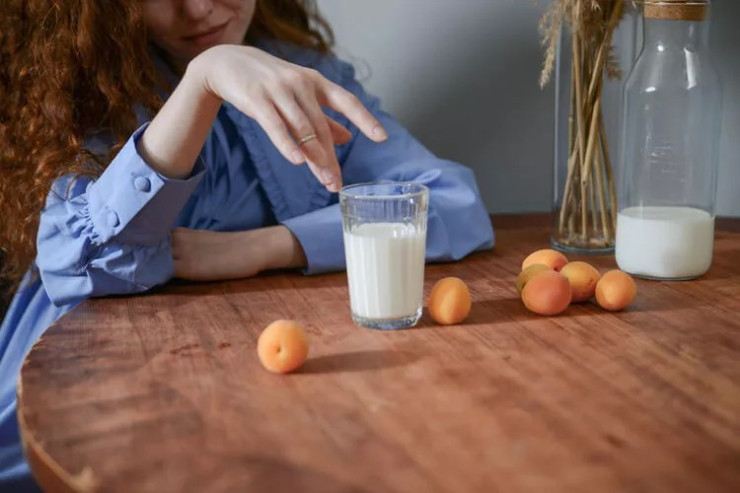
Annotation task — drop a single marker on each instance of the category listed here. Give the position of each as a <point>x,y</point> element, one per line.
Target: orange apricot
<point>449,301</point>
<point>547,293</point>
<point>524,276</point>
<point>615,290</point>
<point>282,346</point>
<point>583,278</point>
<point>551,258</point>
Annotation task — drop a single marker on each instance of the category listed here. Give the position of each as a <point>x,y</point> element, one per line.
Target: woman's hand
<point>203,255</point>
<point>286,100</point>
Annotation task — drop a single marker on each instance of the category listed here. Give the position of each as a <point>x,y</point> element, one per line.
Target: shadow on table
<point>357,361</point>
<point>495,311</point>
<point>666,297</point>
<point>266,474</point>
<point>274,281</point>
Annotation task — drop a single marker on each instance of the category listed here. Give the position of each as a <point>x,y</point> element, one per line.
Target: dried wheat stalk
<point>589,191</point>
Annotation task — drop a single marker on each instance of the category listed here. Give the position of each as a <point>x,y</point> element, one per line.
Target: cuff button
<point>142,184</point>
<point>112,219</point>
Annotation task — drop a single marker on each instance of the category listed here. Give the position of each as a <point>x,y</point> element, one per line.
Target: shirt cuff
<point>320,235</point>
<point>135,202</point>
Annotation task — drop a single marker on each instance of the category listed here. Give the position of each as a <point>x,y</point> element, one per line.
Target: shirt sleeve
<point>458,222</point>
<point>111,235</point>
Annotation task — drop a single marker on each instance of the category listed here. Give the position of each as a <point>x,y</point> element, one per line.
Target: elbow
<point>63,290</point>
<point>75,276</point>
<point>453,236</point>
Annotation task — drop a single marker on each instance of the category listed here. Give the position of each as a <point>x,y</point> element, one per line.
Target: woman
<point>123,120</point>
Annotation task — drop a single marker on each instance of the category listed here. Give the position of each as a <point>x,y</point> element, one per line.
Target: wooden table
<point>164,392</point>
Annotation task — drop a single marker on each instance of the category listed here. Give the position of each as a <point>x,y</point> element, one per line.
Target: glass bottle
<point>669,146</point>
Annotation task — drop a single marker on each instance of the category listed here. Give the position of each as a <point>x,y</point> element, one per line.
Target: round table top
<point>164,392</point>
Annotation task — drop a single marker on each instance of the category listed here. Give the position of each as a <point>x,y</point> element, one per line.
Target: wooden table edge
<point>47,472</point>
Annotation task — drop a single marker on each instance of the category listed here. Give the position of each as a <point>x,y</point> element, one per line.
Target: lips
<point>207,36</point>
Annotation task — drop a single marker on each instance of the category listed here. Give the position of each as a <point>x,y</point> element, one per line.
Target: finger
<point>295,119</point>
<point>317,157</point>
<point>339,132</point>
<point>320,151</point>
<point>343,101</point>
<point>312,139</point>
<point>272,123</point>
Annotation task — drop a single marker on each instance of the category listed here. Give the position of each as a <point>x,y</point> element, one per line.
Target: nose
<point>197,9</point>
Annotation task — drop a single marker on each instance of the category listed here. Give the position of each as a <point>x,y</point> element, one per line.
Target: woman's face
<point>185,28</point>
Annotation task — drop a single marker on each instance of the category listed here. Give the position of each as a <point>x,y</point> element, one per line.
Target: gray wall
<point>462,76</point>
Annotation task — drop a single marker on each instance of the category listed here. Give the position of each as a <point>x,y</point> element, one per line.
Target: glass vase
<point>590,66</point>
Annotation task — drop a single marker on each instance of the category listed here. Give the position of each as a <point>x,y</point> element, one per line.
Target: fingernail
<point>379,133</point>
<point>297,157</point>
<point>327,176</point>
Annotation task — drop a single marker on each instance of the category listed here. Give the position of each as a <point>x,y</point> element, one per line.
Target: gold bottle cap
<point>677,10</point>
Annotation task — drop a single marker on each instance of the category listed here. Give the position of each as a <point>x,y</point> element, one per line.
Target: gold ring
<point>306,138</point>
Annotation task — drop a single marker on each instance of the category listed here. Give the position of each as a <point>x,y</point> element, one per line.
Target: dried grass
<point>589,191</point>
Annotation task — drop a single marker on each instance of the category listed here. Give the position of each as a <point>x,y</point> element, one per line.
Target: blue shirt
<point>112,235</point>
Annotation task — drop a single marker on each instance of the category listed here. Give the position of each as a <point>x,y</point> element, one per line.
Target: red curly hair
<point>71,67</point>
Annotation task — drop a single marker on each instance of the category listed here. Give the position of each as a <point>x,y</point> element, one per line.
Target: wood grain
<point>164,392</point>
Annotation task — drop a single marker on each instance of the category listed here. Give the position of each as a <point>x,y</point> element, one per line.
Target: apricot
<point>449,301</point>
<point>282,346</point>
<point>524,276</point>
<point>547,293</point>
<point>615,290</point>
<point>583,278</point>
<point>551,258</point>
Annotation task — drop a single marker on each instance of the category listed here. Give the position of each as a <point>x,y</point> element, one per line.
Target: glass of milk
<point>385,229</point>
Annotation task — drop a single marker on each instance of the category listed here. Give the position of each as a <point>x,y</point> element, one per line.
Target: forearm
<point>262,249</point>
<point>202,255</point>
<point>282,248</point>
<point>174,138</point>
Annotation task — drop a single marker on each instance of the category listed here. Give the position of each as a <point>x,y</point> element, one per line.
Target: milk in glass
<point>385,269</point>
